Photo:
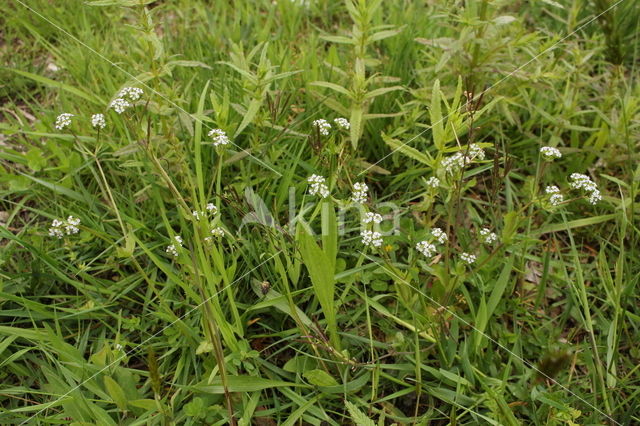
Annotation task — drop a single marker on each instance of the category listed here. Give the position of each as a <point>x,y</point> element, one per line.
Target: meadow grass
<point>159,271</point>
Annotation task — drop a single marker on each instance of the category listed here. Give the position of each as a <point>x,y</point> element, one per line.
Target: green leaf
<point>435,113</point>
<point>404,148</point>
<point>356,124</point>
<point>332,86</point>
<point>381,35</point>
<point>254,107</point>
<point>358,417</point>
<point>35,159</point>
<point>244,384</point>
<point>320,378</point>
<point>56,84</point>
<point>116,393</point>
<point>382,91</point>
<point>147,404</point>
<point>321,271</point>
<point>126,3</point>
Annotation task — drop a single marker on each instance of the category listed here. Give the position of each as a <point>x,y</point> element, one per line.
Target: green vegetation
<point>160,271</point>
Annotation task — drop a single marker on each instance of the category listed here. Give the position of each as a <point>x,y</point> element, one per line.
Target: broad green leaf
<point>578,223</point>
<point>332,86</point>
<point>321,272</point>
<point>404,148</point>
<point>358,417</point>
<point>254,107</point>
<point>126,3</point>
<point>356,124</point>
<point>381,91</point>
<point>435,114</point>
<point>243,384</point>
<point>58,85</point>
<point>116,393</point>
<point>381,35</point>
<point>320,378</point>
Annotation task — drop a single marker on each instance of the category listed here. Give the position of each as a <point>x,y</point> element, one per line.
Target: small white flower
<point>426,248</point>
<point>63,120</point>
<point>71,226</point>
<point>211,208</point>
<point>217,232</point>
<point>595,197</point>
<point>440,235</point>
<point>584,182</point>
<point>219,137</point>
<point>550,153</point>
<point>119,105</point>
<point>360,193</point>
<point>343,123</point>
<point>556,198</point>
<point>56,229</point>
<point>454,163</point>
<point>551,189</point>
<point>488,237</point>
<point>371,238</point>
<point>323,126</point>
<point>475,152</point>
<point>197,215</point>
<point>98,121</point>
<point>468,258</point>
<point>172,249</point>
<point>371,217</point>
<point>318,186</point>
<point>433,182</point>
<point>60,228</point>
<point>133,93</point>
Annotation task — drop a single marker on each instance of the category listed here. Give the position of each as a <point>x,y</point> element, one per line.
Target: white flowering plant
<point>284,212</point>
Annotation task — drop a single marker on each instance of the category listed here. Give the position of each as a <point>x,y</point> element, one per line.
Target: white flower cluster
<point>475,152</point>
<point>211,209</point>
<point>172,249</point>
<point>63,120</point>
<point>124,99</point>
<point>488,237</point>
<point>550,153</point>
<point>371,217</point>
<point>468,258</point>
<point>584,182</point>
<point>343,123</point>
<point>219,137</point>
<point>216,232</point>
<point>119,105</point>
<point>460,160</point>
<point>98,121</point>
<point>360,192</point>
<point>133,93</point>
<point>429,249</point>
<point>323,126</point>
<point>318,186</point>
<point>426,248</point>
<point>440,235</point>
<point>60,228</point>
<point>371,238</point>
<point>556,198</point>
<point>433,182</point>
